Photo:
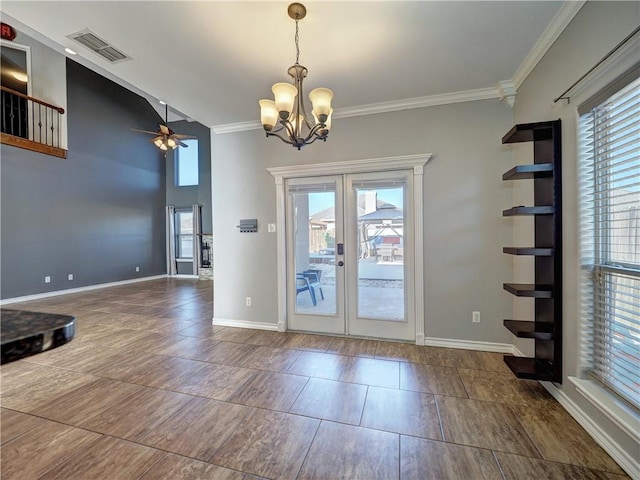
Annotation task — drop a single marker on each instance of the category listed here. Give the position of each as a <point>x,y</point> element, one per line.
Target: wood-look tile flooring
<point>149,389</point>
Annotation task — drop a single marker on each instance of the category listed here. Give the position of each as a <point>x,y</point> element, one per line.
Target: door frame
<point>404,162</point>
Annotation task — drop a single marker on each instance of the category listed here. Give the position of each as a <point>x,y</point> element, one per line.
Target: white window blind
<point>610,239</point>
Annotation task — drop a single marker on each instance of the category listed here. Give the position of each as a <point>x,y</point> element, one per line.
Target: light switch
<point>271,227</point>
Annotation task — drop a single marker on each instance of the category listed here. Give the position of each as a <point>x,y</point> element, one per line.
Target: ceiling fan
<point>165,138</point>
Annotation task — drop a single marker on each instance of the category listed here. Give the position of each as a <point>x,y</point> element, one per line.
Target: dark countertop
<point>25,333</point>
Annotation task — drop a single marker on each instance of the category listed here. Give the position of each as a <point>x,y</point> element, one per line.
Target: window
<point>184,234</point>
<point>610,237</point>
<point>187,164</point>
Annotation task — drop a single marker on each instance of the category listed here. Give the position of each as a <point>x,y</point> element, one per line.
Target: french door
<point>350,244</point>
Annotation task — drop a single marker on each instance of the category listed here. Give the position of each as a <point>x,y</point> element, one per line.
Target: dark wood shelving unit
<point>538,252</point>
<point>528,329</point>
<point>527,172</point>
<point>529,290</point>
<point>531,368</point>
<point>522,210</point>
<point>545,329</point>
<point>530,132</point>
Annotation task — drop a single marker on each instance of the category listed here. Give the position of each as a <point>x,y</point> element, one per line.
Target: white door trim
<point>404,162</point>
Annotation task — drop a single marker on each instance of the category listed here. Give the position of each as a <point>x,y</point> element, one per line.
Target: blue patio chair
<point>314,281</point>
<point>303,285</point>
<point>310,280</point>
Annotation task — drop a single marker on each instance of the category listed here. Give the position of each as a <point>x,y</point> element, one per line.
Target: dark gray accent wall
<point>98,214</point>
<point>185,197</point>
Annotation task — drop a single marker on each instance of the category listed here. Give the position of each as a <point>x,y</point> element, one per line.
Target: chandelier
<point>285,117</point>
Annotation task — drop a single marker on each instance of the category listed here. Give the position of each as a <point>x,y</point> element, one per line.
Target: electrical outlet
<point>137,269</point>
<point>70,276</point>
<point>475,317</point>
<point>47,279</point>
<point>248,301</point>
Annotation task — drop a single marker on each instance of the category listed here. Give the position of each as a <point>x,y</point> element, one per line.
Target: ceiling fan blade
<point>144,131</point>
<point>164,129</point>
<point>182,144</point>
<point>182,136</point>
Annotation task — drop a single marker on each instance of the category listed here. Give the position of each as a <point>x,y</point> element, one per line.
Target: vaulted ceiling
<point>212,61</point>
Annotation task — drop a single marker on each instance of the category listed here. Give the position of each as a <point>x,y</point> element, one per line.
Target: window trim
<point>611,403</point>
<point>607,73</point>
<point>614,409</point>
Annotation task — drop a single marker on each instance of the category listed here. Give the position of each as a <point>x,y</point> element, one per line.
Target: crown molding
<point>236,127</point>
<point>382,107</point>
<point>564,16</point>
<point>419,102</point>
<point>507,91</point>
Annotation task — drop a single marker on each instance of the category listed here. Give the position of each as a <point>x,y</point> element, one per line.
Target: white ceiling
<point>212,61</point>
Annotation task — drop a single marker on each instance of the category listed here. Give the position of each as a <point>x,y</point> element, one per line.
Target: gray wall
<point>573,54</point>
<point>463,197</point>
<point>185,197</point>
<point>96,215</point>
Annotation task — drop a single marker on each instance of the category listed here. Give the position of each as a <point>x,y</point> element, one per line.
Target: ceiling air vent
<point>96,44</point>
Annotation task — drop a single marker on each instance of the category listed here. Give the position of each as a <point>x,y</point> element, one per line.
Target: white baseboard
<point>184,275</point>
<point>469,345</point>
<point>602,438</point>
<point>223,322</point>
<point>516,352</point>
<point>38,296</point>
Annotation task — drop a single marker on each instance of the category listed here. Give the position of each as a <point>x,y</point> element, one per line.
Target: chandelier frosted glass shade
<point>285,97</point>
<point>285,117</point>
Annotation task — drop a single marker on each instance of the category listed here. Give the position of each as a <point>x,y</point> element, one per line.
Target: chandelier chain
<point>297,38</point>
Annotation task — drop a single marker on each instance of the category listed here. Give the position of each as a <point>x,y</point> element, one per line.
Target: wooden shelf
<point>526,329</point>
<point>522,210</point>
<point>537,252</point>
<point>529,290</point>
<point>529,132</point>
<point>530,368</point>
<point>537,170</point>
<point>545,328</point>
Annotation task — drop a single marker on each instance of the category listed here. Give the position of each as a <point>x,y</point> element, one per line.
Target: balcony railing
<point>30,123</point>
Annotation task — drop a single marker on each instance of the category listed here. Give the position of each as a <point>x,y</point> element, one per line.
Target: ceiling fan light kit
<point>285,117</point>
<point>165,137</point>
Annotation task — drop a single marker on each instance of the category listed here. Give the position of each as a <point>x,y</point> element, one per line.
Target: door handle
<point>340,263</point>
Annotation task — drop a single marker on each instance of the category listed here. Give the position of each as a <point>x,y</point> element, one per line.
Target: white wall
<point>463,194</point>
<point>595,30</point>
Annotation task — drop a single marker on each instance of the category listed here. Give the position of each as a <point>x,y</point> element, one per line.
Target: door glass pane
<point>380,233</point>
<point>314,224</point>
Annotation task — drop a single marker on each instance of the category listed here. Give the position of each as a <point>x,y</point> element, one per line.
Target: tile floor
<point>150,390</point>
